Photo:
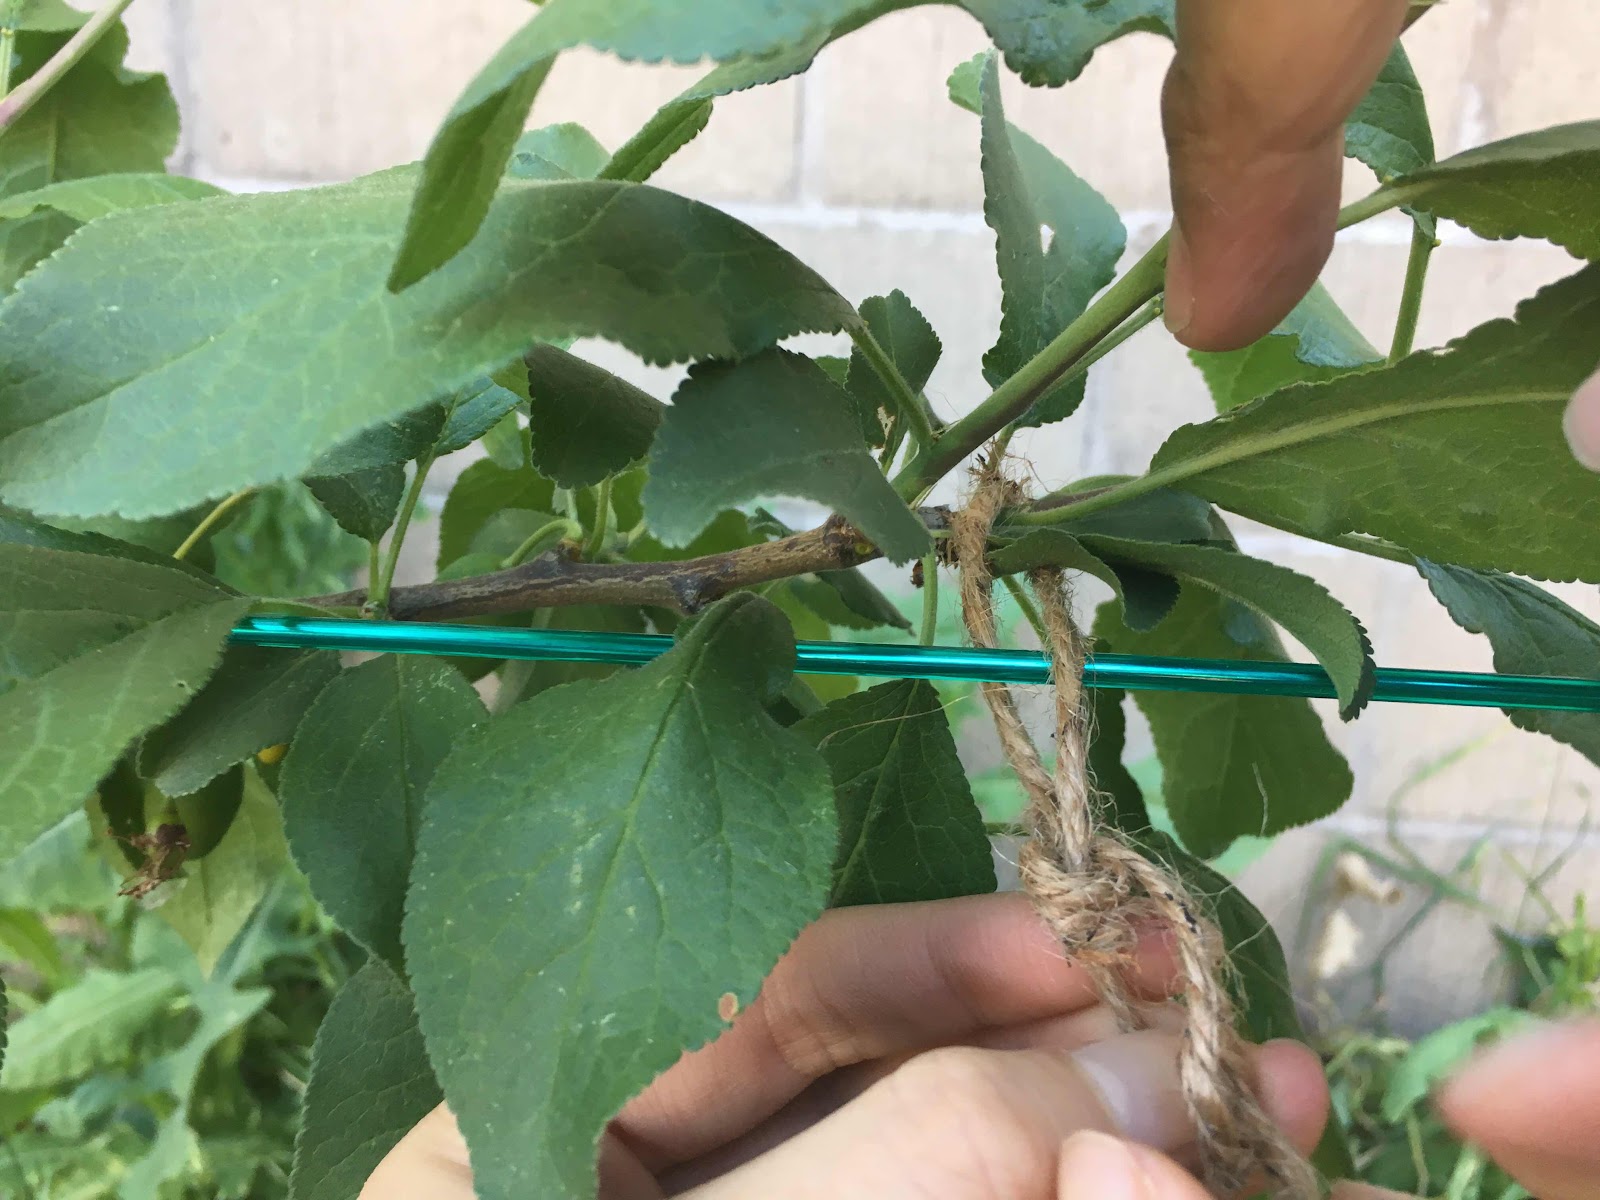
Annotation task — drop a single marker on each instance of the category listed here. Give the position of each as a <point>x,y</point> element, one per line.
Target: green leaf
<point>1314,343</point>
<point>1532,185</point>
<point>1301,605</point>
<point>674,126</point>
<point>484,489</point>
<point>1441,1052</point>
<point>1146,596</point>
<point>96,650</point>
<point>90,1025</point>
<point>474,410</point>
<point>1108,728</point>
<point>353,782</point>
<point>565,151</point>
<point>912,346</point>
<point>774,425</point>
<point>1049,43</point>
<point>363,502</point>
<point>586,423</point>
<point>216,895</point>
<point>58,870</point>
<point>635,853</point>
<point>847,599</point>
<point>98,365</point>
<point>1532,633</point>
<point>370,1083</point>
<point>97,196</point>
<point>1456,454</point>
<point>255,700</point>
<point>397,440</point>
<point>908,826</point>
<point>1389,130</point>
<point>1162,515</point>
<point>1043,288</point>
<point>464,162</point>
<point>24,938</point>
<point>523,678</point>
<point>1233,765</point>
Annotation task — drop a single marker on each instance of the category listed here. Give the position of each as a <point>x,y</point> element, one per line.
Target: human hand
<point>1254,109</point>
<point>922,1050</point>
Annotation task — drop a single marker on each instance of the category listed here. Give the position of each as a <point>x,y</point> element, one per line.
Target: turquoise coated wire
<point>1126,671</point>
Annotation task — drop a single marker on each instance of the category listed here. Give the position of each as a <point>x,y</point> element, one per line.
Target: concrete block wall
<point>866,171</point>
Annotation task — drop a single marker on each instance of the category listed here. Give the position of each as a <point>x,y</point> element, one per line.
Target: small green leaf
<point>1043,288</point>
<point>363,502</point>
<point>207,814</point>
<point>1441,1052</point>
<point>1532,633</point>
<point>1389,130</point>
<point>668,278</point>
<point>98,650</point>
<point>473,411</point>
<point>565,151</point>
<point>586,423</point>
<point>370,1083</point>
<point>1301,605</point>
<point>1049,43</point>
<point>58,870</point>
<point>85,199</point>
<point>1127,810</point>
<point>674,126</point>
<point>464,162</point>
<point>1162,515</point>
<point>774,425</point>
<point>908,826</point>
<point>484,489</point>
<point>1314,343</point>
<point>89,1025</point>
<point>353,781</point>
<point>216,894</point>
<point>610,868</point>
<point>847,599</point>
<point>256,699</point>
<point>912,346</point>
<point>1146,596</point>
<point>1456,454</point>
<point>1233,765</point>
<point>1532,185</point>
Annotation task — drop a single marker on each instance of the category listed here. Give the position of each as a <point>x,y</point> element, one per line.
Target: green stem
<point>210,520</point>
<point>1405,326</point>
<point>1016,395</point>
<point>8,43</point>
<point>542,539</point>
<point>1364,209</point>
<point>602,520</point>
<point>377,604</point>
<point>930,599</point>
<point>1025,603</point>
<point>41,81</point>
<point>911,412</point>
<point>374,559</point>
<point>891,444</point>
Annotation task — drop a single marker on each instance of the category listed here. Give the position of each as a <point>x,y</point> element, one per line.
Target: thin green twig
<point>1025,603</point>
<point>909,405</point>
<point>930,600</point>
<point>542,539</point>
<point>377,604</point>
<point>602,520</point>
<point>1405,326</point>
<point>8,43</point>
<point>210,521</point>
<point>41,81</point>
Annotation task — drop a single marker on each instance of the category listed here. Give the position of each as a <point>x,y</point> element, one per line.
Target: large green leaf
<point>89,1025</point>
<point>1533,185</point>
<point>99,195</point>
<point>96,650</point>
<point>464,163</point>
<point>363,502</point>
<point>1043,288</point>
<point>1233,765</point>
<point>913,347</point>
<point>1314,343</point>
<point>1455,454</point>
<point>353,782</point>
<point>774,425</point>
<point>585,422</point>
<point>908,826</point>
<point>1532,633</point>
<point>370,1083</point>
<point>100,367</point>
<point>1302,606</point>
<point>604,876</point>
<point>256,699</point>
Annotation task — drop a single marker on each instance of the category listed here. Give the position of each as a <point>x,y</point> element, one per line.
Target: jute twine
<point>1095,890</point>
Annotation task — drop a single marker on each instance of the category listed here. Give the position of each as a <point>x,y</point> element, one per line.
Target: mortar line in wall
<point>1501,832</point>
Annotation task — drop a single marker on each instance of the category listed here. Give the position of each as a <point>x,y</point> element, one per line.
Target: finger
<point>1533,1103</point>
<point>829,1094</point>
<point>1583,423</point>
<point>429,1163</point>
<point>1254,110</point>
<point>1346,1190</point>
<point>862,984</point>
<point>968,1124</point>
<point>1108,1168</point>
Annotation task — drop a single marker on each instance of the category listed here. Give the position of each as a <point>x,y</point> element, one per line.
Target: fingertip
<point>1294,1091</point>
<point>1582,423</point>
<point>1108,1168</point>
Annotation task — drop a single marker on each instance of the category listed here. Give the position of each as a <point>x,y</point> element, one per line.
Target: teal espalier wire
<point>1127,671</point>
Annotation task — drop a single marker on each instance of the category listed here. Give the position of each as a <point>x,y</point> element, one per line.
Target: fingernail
<point>1098,1165</point>
<point>1136,1079</point>
<point>1178,307</point>
<point>1582,424</point>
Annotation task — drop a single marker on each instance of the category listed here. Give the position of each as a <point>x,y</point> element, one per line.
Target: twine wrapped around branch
<point>1094,889</point>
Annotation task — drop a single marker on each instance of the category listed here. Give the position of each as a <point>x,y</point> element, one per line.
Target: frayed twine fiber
<point>1094,889</point>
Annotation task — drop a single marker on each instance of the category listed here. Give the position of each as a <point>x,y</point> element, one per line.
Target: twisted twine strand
<point>1094,890</point>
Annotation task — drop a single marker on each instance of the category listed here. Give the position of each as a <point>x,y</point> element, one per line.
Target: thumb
<point>1097,1166</point>
<point>1583,423</point>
